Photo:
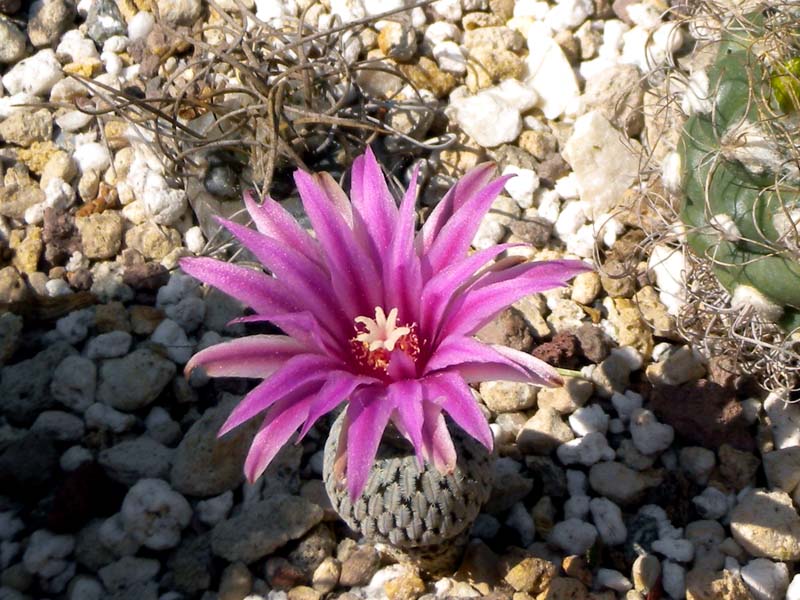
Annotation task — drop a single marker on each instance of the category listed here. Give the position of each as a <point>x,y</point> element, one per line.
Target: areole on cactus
<point>741,198</point>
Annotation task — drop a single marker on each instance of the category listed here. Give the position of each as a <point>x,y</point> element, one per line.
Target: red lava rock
<point>60,236</point>
<point>283,575</point>
<point>704,412</point>
<point>562,351</point>
<point>147,276</point>
<point>84,494</point>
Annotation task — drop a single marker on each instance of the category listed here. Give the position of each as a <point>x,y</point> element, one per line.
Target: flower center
<point>377,338</point>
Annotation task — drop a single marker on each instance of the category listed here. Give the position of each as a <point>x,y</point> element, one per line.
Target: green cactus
<point>754,253</point>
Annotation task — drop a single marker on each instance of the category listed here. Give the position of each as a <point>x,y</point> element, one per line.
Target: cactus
<point>739,213</point>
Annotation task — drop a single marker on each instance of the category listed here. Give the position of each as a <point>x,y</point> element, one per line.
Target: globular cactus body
<point>739,217</point>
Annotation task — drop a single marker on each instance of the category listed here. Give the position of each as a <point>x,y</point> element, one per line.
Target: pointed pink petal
<point>401,267</point>
<point>251,356</point>
<point>372,200</point>
<point>279,425</point>
<point>406,396</point>
<point>356,283</point>
<point>336,196</point>
<point>464,189</point>
<point>301,326</point>
<point>368,413</point>
<point>443,286</point>
<point>338,388</point>
<point>455,397</point>
<point>257,290</point>
<point>455,351</point>
<point>298,373</point>
<point>541,372</point>
<point>480,304</point>
<point>436,441</point>
<point>401,366</point>
<point>310,282</point>
<point>455,237</point>
<point>271,219</point>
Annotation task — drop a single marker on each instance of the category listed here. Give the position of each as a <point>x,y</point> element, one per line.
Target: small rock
<point>607,518</point>
<point>179,12</point>
<point>531,575</point>
<point>263,527</point>
<point>677,550</point>
<point>645,571</point>
<point>679,366</point>
<point>719,585</point>
<point>152,241</point>
<point>589,419</point>
<point>766,524</point>
<point>586,450</point>
<point>618,94</point>
<point>101,234</point>
<point>46,553</point>
<point>109,345</point>
<point>573,536</point>
<point>408,585</point>
<point>546,63</point>
<point>649,436</point>
<point>737,468</point>
<point>568,398</point>
<point>487,118</point>
<point>326,575</point>
<point>782,468</point>
<point>12,43</point>
<point>619,483</point>
<point>359,567</point>
<point>543,432</point>
<point>61,426</point>
<point>697,463</point>
<point>236,582</point>
<point>103,417</point>
<point>706,537</point>
<point>398,40</point>
<point>507,396</point>
<point>215,509</point>
<point>10,335</point>
<point>562,351</point>
<point>48,20</point>
<point>135,459</point>
<point>127,572</point>
<point>154,514</point>
<point>104,21</point>
<point>133,382</point>
<point>24,128</point>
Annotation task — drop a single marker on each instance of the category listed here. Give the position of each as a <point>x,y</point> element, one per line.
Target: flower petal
<point>464,189</point>
<point>455,237</point>
<point>368,414</point>
<point>310,282</point>
<point>372,200</point>
<point>542,373</point>
<point>298,373</point>
<point>406,396</point>
<point>259,291</point>
<point>301,326</point>
<point>455,397</point>
<point>455,351</point>
<point>251,356</point>
<point>339,386</point>
<point>279,425</point>
<point>273,220</point>
<point>436,441</point>
<point>402,274</point>
<point>441,288</point>
<point>480,304</point>
<point>356,282</point>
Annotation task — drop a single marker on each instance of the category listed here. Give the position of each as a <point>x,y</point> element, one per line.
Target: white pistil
<point>382,331</point>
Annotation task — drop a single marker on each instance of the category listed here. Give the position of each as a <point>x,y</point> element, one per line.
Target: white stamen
<point>382,331</point>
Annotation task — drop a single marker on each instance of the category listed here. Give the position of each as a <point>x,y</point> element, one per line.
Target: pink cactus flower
<point>375,316</point>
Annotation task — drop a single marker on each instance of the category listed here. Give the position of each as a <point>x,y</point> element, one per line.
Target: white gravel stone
<point>589,419</point>
<point>793,592</point>
<point>195,241</point>
<point>450,57</point>
<point>487,118</point>
<point>577,483</point>
<point>545,64</point>
<point>697,462</point>
<point>112,535</point>
<point>62,426</point>
<point>520,520</point>
<point>573,536</point>
<point>625,404</point>
<point>10,525</point>
<point>74,327</point>
<point>74,457</point>
<point>604,163</point>
<point>586,450</point>
<point>35,75</point>
<point>577,507</point>
<point>76,48</point>
<point>441,31</point>
<point>522,186</point>
<point>178,287</point>
<point>101,416</point>
<point>161,427</point>
<point>677,550</point>
<point>170,335</point>
<point>154,514</point>
<point>784,419</point>
<point>569,14</point>
<point>140,25</point>
<point>188,313</point>
<point>766,580</point>
<point>85,588</point>
<point>46,553</point>
<point>214,510</point>
<point>74,383</point>
<point>613,580</point>
<point>92,156</point>
<point>607,518</point>
<point>109,345</point>
<point>570,219</point>
<point>673,579</point>
<point>447,10</point>
<point>548,204</point>
<point>649,436</point>
<point>668,266</point>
